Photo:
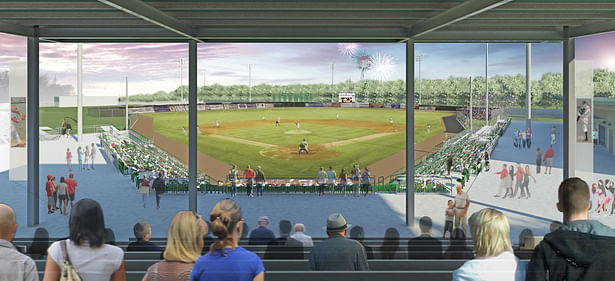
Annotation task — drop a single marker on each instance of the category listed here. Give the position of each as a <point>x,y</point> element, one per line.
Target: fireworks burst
<point>382,67</point>
<point>347,49</point>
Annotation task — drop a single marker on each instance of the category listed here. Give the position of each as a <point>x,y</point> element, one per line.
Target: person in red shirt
<point>72,184</point>
<point>549,153</point>
<point>69,158</point>
<point>519,184</point>
<point>249,175</point>
<point>50,188</point>
<point>503,174</point>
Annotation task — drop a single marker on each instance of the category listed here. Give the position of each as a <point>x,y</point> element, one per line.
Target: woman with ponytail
<point>226,260</point>
<point>184,247</point>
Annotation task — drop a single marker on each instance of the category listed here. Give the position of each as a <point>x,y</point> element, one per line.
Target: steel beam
<point>569,109</point>
<point>589,29</point>
<point>410,133</point>
<point>33,132</point>
<point>149,13</point>
<point>16,29</point>
<point>192,123</point>
<point>460,12</point>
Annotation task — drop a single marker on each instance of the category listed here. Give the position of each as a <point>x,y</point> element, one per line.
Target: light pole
<point>419,59</point>
<point>181,67</point>
<point>249,82</point>
<point>487,84</point>
<point>332,87</point>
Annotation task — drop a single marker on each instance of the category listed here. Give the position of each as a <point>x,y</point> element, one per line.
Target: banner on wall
<point>18,89</point>
<point>346,97</point>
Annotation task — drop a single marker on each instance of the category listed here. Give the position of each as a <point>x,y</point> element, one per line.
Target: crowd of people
<point>85,157</point>
<point>325,180</point>
<point>522,138</point>
<point>60,194</point>
<point>603,197</point>
<point>580,249</point>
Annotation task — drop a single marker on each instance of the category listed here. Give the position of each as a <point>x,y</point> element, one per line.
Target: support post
<point>470,103</point>
<point>528,85</point>
<point>410,132</point>
<point>192,119</point>
<point>249,82</point>
<point>569,110</point>
<point>80,93</point>
<point>32,131</point>
<point>487,84</point>
<point>127,128</point>
<point>332,86</point>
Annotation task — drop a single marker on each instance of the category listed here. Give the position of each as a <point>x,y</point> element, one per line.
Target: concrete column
<point>528,85</point>
<point>569,109</point>
<point>32,132</point>
<point>192,120</point>
<point>410,133</point>
<point>80,93</point>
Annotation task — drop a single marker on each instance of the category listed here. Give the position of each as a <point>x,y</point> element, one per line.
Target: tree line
<point>504,91</point>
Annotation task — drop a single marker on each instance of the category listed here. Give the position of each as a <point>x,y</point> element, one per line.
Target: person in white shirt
<point>495,260</point>
<point>93,152</point>
<point>94,260</point>
<point>301,236</point>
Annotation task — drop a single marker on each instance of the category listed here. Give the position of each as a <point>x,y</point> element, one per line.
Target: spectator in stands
<point>260,181</point>
<point>425,246</point>
<point>143,233</point>
<point>458,249</point>
<point>495,259</point>
<point>144,188</point>
<point>40,243</point>
<point>548,159</point>
<point>13,264</point>
<point>343,180</point>
<point>538,160</point>
<point>449,164</point>
<point>71,184</point>
<point>366,180</point>
<point>184,247</point>
<point>581,249</point>
<point>261,235</point>
<point>226,260</point>
<point>390,244</point>
<point>233,178</point>
<point>503,183</point>
<point>356,174</point>
<point>321,180</point>
<point>525,233</point>
<point>357,233</point>
<point>159,186</point>
<point>337,252</point>
<point>331,177</point>
<point>86,247</point>
<point>285,247</point>
<point>300,235</point>
<point>462,204</point>
<point>249,175</point>
<point>62,189</point>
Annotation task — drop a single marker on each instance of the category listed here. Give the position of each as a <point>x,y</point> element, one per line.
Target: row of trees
<point>504,91</point>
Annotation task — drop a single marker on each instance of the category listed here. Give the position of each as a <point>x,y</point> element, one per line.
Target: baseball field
<point>363,136</point>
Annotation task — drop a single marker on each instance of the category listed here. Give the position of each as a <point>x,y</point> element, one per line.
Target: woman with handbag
<point>84,256</point>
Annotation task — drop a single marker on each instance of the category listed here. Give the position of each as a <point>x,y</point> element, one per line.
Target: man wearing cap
<point>72,184</point>
<point>261,235</point>
<point>337,252</point>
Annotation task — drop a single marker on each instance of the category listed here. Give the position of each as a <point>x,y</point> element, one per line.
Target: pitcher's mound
<point>298,132</point>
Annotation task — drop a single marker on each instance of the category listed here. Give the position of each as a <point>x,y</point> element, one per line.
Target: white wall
<point>71,101</point>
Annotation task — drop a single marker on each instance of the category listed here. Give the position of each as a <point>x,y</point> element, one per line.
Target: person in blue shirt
<point>261,235</point>
<point>226,260</point>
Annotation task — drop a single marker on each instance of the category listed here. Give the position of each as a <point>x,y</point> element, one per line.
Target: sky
<point>156,66</point>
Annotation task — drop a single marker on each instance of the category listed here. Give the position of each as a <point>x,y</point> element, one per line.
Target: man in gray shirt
<point>14,266</point>
<point>337,252</point>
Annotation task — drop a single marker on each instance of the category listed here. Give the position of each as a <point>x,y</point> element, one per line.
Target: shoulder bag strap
<point>65,251</point>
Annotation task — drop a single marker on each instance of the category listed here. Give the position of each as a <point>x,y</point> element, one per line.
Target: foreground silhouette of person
<point>458,249</point>
<point>581,249</point>
<point>284,247</point>
<point>424,246</point>
<point>358,233</point>
<point>40,243</point>
<point>390,245</point>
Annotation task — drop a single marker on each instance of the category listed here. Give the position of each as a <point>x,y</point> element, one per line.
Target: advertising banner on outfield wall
<point>18,89</point>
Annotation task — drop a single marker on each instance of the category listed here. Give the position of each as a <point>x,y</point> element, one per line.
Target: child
<point>448,225</point>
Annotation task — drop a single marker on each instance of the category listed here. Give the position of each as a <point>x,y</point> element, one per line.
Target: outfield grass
<point>52,117</point>
<point>364,152</point>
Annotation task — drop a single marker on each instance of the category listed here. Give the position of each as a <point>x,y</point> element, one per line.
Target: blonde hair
<point>490,232</point>
<point>185,238</point>
<point>224,217</point>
